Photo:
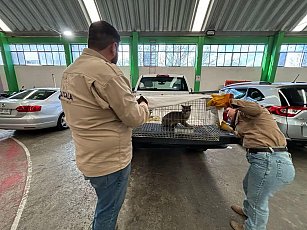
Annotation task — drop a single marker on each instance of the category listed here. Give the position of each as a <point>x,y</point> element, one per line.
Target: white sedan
<point>32,109</point>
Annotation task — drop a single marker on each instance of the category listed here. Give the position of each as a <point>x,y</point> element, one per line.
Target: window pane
<point>15,58</point>
<point>222,48</point>
<point>126,59</point>
<point>191,59</point>
<point>19,48</point>
<point>243,59</point>
<point>12,47</point>
<point>304,61</point>
<point>26,47</point>
<point>258,59</point>
<point>228,57</point>
<point>169,48</point>
<point>33,48</point>
<point>192,47</point>
<point>236,48</point>
<point>49,58</point>
<point>213,58</point>
<point>250,59</point>
<point>244,48</point>
<point>205,61</point>
<point>146,58</point>
<point>176,61</point>
<point>140,47</point>
<point>42,58</point>
<point>161,58</point>
<point>146,47</point>
<point>74,48</point>
<point>40,47</point>
<point>47,47</point>
<point>169,59</point>
<point>184,59</point>
<point>140,57</point>
<point>284,48</point>
<point>299,48</point>
<point>62,58</point>
<point>21,58</point>
<point>75,55</point>
<point>31,58</point>
<point>54,47</point>
<point>229,48</point>
<point>220,59</point>
<point>161,47</point>
<point>252,48</point>
<point>177,47</point>
<point>282,59</point>
<point>293,60</point>
<point>236,59</point>
<point>291,47</point>
<point>214,48</point>
<point>260,48</point>
<point>206,48</point>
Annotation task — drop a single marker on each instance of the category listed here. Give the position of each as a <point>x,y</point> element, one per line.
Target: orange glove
<point>226,127</point>
<point>220,100</point>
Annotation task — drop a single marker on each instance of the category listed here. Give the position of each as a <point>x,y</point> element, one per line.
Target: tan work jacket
<point>101,112</point>
<point>256,126</point>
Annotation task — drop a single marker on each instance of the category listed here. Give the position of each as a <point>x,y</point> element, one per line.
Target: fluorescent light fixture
<point>67,33</point>
<point>4,27</point>
<point>200,14</point>
<point>92,10</point>
<point>301,25</point>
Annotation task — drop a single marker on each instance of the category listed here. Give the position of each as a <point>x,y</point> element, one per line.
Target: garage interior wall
<point>3,82</point>
<point>212,78</point>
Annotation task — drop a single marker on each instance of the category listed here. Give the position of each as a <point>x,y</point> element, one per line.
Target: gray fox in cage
<point>173,118</point>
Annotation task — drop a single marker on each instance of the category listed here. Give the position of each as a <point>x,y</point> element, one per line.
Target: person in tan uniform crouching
<point>101,112</point>
<point>271,165</point>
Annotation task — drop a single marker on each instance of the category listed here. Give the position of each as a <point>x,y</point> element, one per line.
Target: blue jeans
<point>111,190</point>
<point>267,174</point>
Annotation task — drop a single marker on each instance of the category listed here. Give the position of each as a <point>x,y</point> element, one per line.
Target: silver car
<point>287,101</point>
<point>32,109</point>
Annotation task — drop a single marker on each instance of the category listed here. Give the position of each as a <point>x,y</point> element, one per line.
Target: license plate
<point>5,111</point>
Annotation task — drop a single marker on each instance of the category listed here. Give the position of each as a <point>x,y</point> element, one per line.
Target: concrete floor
<point>168,189</point>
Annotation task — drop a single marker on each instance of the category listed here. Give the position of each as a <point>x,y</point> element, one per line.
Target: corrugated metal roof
<point>53,16</point>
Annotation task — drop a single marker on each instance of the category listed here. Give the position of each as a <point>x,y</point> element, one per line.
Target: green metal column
<point>134,68</point>
<point>278,39</point>
<point>68,55</point>
<point>266,59</point>
<point>8,64</point>
<point>199,58</point>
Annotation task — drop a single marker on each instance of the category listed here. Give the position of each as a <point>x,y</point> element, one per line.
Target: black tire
<point>61,125</point>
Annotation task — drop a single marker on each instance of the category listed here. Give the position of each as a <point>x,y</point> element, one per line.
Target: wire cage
<point>190,120</point>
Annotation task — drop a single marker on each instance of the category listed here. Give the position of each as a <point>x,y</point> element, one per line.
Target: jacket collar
<point>91,52</point>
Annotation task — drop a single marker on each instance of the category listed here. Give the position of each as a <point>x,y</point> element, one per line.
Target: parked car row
<point>32,109</point>
<point>287,101</point>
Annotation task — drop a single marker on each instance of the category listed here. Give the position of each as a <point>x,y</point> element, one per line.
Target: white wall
<point>126,71</point>
<point>213,78</point>
<point>3,82</point>
<point>38,76</point>
<point>189,72</point>
<point>289,74</point>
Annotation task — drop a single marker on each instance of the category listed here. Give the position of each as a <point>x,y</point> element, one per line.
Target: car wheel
<point>61,125</point>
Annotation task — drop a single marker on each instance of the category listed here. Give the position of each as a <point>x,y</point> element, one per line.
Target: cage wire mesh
<point>190,120</point>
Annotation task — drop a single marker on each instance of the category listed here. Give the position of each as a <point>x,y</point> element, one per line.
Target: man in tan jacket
<point>101,112</point>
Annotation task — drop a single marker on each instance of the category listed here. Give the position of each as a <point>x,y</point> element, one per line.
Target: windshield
<point>237,93</point>
<point>294,96</point>
<point>40,94</point>
<point>163,84</point>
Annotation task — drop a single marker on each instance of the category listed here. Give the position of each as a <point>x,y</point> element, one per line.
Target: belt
<point>269,149</point>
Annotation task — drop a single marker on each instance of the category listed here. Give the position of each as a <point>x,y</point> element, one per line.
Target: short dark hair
<point>101,34</point>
